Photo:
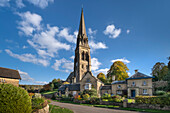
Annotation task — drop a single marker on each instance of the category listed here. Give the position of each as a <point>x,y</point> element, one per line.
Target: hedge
<point>161,100</point>
<point>14,99</point>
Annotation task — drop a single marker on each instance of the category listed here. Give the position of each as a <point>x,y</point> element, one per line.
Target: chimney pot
<point>136,70</point>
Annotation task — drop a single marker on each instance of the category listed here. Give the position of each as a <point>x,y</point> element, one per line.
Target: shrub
<point>86,96</point>
<point>106,96</point>
<point>94,101</point>
<point>14,99</point>
<point>161,100</point>
<point>159,93</point>
<point>37,103</point>
<point>116,98</point>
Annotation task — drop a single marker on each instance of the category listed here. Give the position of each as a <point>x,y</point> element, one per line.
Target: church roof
<point>9,73</point>
<point>82,28</point>
<point>106,87</point>
<point>139,75</point>
<point>70,76</point>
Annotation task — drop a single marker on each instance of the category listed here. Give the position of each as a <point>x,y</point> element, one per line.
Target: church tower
<point>82,60</point>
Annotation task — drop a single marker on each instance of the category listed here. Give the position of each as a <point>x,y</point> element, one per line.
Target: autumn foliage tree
<point>119,70</point>
<point>102,77</point>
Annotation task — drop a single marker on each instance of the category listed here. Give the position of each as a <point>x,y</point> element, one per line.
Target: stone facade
<point>118,89</point>
<point>15,82</point>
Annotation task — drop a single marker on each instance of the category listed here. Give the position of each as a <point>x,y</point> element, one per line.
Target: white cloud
<point>20,4</point>
<point>98,45</point>
<point>129,73</point>
<point>26,77</point>
<point>46,44</point>
<point>63,65</point>
<point>101,71</point>
<point>112,31</point>
<point>95,64</point>
<point>30,23</point>
<point>65,34</point>
<point>28,58</point>
<point>92,32</point>
<point>72,57</point>
<point>4,3</point>
<point>128,31</point>
<point>41,3</point>
<point>24,47</point>
<point>122,59</point>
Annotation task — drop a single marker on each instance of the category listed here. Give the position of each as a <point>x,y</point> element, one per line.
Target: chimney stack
<point>136,70</point>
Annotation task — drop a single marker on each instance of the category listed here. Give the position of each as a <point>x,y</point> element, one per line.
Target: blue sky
<point>38,37</point>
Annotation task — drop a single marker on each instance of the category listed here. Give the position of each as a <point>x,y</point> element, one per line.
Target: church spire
<point>82,28</point>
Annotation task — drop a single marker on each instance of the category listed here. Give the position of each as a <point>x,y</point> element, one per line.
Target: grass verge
<point>57,109</point>
<point>49,92</point>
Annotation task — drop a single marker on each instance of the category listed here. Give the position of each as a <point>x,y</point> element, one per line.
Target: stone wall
<point>147,106</point>
<point>15,82</point>
<point>43,110</point>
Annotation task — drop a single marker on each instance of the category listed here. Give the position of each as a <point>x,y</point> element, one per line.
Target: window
<point>119,86</point>
<point>133,83</point>
<point>88,86</point>
<point>145,91</point>
<point>74,93</point>
<point>119,92</point>
<point>87,67</point>
<point>144,83</point>
<point>82,55</point>
<point>87,57</point>
<point>82,66</point>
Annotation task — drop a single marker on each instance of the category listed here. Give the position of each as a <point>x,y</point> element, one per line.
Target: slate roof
<point>139,75</point>
<point>9,73</point>
<point>119,82</point>
<point>70,76</point>
<point>106,87</point>
<point>74,87</point>
<point>71,87</point>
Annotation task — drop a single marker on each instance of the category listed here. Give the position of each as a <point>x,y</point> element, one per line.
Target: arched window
<point>87,57</point>
<point>84,42</point>
<point>82,55</point>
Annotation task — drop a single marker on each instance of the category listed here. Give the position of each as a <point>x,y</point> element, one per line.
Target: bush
<point>116,98</point>
<point>86,96</point>
<point>159,93</point>
<point>14,99</point>
<point>106,96</point>
<point>94,101</point>
<point>161,100</point>
<point>37,103</point>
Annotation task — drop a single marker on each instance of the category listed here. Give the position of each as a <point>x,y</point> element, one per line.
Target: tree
<point>102,77</point>
<point>167,77</point>
<point>159,71</point>
<point>119,70</point>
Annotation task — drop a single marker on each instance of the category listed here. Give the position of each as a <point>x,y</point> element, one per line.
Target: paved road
<point>88,109</point>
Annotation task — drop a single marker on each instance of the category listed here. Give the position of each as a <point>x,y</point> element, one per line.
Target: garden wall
<point>148,106</point>
<point>43,110</point>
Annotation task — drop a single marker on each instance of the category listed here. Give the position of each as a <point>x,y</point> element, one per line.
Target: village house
<point>9,76</point>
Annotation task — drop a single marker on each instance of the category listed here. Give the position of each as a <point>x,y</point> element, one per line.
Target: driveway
<point>88,109</point>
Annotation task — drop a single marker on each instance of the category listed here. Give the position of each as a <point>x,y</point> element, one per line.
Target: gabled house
<point>9,76</point>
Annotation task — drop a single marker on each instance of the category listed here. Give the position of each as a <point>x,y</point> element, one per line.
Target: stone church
<point>81,78</point>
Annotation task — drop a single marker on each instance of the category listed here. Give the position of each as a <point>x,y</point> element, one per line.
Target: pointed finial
<point>82,6</point>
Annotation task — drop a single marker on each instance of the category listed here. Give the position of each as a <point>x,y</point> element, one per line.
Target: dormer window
<point>144,83</point>
<point>133,83</point>
<point>119,86</point>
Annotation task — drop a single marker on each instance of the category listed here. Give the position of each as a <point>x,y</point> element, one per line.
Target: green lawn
<point>57,109</point>
<point>145,110</point>
<point>50,92</point>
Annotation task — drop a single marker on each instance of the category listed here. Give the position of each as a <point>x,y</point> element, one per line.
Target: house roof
<point>119,82</point>
<point>71,87</point>
<point>9,73</point>
<point>106,87</point>
<point>139,75</point>
<point>74,87</point>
